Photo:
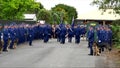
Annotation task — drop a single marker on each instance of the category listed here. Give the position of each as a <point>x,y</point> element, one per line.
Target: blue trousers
<point>77,39</point>
<point>46,38</point>
<point>30,40</point>
<point>90,46</point>
<point>5,45</point>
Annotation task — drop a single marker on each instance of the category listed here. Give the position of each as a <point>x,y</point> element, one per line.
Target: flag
<point>72,24</point>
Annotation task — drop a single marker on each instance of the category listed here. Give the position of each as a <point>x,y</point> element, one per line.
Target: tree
<point>116,32</point>
<point>68,12</point>
<point>14,9</point>
<point>108,4</point>
<point>44,14</point>
<point>35,8</point>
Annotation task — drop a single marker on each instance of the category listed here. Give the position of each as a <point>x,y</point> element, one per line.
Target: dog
<point>96,49</point>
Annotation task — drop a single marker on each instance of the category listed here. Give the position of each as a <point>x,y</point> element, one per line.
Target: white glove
<point>99,41</point>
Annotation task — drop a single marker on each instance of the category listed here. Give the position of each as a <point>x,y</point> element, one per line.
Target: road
<point>51,55</point>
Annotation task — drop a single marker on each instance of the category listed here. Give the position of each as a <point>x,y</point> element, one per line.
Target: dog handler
<point>90,39</point>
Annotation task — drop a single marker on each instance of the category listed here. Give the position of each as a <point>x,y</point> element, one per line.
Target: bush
<point>116,33</point>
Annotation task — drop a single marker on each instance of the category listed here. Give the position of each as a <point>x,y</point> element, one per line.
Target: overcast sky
<point>82,6</point>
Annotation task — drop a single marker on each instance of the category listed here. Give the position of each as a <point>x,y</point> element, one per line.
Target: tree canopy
<point>44,14</point>
<point>67,12</point>
<point>108,4</point>
<point>14,9</point>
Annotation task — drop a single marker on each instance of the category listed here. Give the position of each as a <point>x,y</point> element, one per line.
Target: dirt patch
<point>114,56</point>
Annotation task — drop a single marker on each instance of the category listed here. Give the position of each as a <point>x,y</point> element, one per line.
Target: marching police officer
<point>40,31</point>
<point>77,31</point>
<point>83,31</point>
<point>46,33</point>
<point>63,33</point>
<point>70,33</point>
<point>57,32</point>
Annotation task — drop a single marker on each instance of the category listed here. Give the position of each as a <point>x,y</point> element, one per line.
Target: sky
<point>82,6</point>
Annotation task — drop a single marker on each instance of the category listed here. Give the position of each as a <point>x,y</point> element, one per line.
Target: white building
<point>98,16</point>
<point>30,17</point>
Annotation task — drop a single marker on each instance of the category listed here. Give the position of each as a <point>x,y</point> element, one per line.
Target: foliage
<point>116,32</point>
<point>44,14</point>
<point>108,4</point>
<point>34,9</point>
<point>14,9</point>
<point>67,12</point>
<point>55,16</point>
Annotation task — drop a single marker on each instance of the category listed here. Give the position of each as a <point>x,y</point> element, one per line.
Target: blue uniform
<point>46,33</point>
<point>77,35</point>
<point>13,37</point>
<point>22,35</point>
<point>108,38</point>
<point>5,38</point>
<point>63,32</point>
<point>102,39</point>
<point>1,45</point>
<point>41,32</point>
<point>57,32</point>
<point>16,36</point>
<point>91,40</point>
<point>70,34</point>
<point>30,35</point>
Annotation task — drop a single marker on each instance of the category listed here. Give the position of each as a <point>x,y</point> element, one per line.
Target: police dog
<point>95,49</point>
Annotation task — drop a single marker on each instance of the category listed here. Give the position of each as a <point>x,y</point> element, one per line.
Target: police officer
<point>12,35</point>
<point>77,32</point>
<point>46,33</point>
<point>83,31</point>
<point>50,31</point>
<point>40,31</point>
<point>5,38</point>
<point>16,33</point>
<point>90,39</point>
<point>70,33</point>
<point>108,38</point>
<point>63,33</point>
<point>1,39</point>
<point>30,34</point>
<point>57,32</point>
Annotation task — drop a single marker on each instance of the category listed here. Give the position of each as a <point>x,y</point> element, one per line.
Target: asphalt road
<point>52,55</point>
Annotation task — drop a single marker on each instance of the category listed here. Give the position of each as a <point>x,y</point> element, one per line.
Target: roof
<point>30,16</point>
<point>99,15</point>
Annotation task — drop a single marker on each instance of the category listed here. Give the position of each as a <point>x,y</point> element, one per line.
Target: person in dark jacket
<point>90,39</point>
<point>70,32</point>
<point>63,33</point>
<point>30,35</point>
<point>77,33</point>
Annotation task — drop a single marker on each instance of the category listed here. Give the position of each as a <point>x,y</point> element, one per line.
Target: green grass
<point>118,47</point>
